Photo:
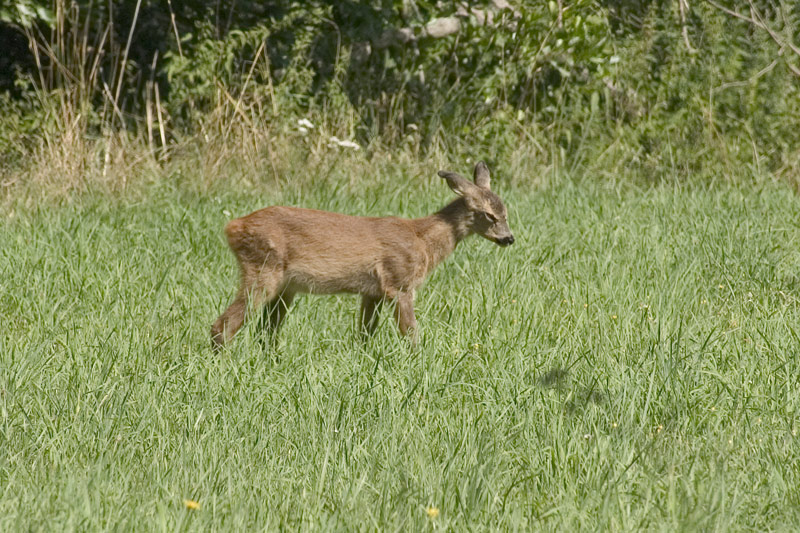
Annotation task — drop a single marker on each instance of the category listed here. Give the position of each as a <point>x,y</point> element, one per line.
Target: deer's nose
<point>505,241</point>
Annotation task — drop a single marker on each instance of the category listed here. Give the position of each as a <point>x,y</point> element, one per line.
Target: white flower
<point>335,141</point>
<point>349,144</point>
<point>305,123</point>
<point>302,130</point>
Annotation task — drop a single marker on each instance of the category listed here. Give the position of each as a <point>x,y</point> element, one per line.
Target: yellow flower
<point>613,317</point>
<point>191,504</point>
<point>432,512</point>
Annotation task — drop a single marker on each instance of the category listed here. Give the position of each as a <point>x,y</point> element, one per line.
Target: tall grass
<point>75,129</point>
<point>628,364</point>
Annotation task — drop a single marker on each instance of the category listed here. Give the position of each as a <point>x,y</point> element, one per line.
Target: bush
<point>655,87</point>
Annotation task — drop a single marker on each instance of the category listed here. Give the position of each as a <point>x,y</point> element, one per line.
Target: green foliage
<point>610,87</point>
<point>26,13</point>
<point>245,60</point>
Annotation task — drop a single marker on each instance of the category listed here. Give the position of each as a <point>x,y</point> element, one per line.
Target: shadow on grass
<point>556,378</point>
<point>559,379</point>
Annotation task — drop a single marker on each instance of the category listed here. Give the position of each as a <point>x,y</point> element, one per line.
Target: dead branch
<point>435,29</point>
<point>684,7</point>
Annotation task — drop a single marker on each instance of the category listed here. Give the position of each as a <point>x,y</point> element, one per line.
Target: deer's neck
<point>443,230</point>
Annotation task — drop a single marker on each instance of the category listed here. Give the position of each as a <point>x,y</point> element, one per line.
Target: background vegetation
<point>656,89</point>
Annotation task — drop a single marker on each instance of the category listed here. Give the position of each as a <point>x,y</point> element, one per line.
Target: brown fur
<point>283,251</point>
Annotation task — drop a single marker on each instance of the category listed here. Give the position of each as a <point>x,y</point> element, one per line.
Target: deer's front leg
<point>404,313</point>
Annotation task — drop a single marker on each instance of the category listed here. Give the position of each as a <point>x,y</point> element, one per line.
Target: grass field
<point>631,363</point>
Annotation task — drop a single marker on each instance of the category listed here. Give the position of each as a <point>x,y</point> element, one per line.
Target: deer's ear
<point>459,185</point>
<point>481,175</point>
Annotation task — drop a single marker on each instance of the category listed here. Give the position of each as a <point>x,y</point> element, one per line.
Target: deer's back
<point>324,252</point>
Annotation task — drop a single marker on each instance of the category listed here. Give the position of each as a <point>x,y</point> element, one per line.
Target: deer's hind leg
<point>258,287</point>
<point>229,321</point>
<point>274,313</point>
<point>370,310</point>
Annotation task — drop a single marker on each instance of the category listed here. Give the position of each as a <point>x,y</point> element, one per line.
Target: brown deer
<point>283,251</point>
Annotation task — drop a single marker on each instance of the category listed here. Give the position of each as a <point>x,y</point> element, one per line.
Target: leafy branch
<point>757,20</point>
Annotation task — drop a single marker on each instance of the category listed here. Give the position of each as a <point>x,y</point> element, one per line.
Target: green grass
<point>630,363</point>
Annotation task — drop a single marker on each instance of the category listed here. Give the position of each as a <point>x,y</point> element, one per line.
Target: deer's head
<point>489,217</point>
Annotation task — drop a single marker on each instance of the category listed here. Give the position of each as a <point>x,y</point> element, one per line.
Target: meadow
<point>629,364</point>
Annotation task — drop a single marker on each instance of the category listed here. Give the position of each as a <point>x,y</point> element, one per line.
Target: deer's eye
<point>490,217</point>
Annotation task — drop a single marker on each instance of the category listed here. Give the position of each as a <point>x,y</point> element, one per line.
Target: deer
<point>284,251</point>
